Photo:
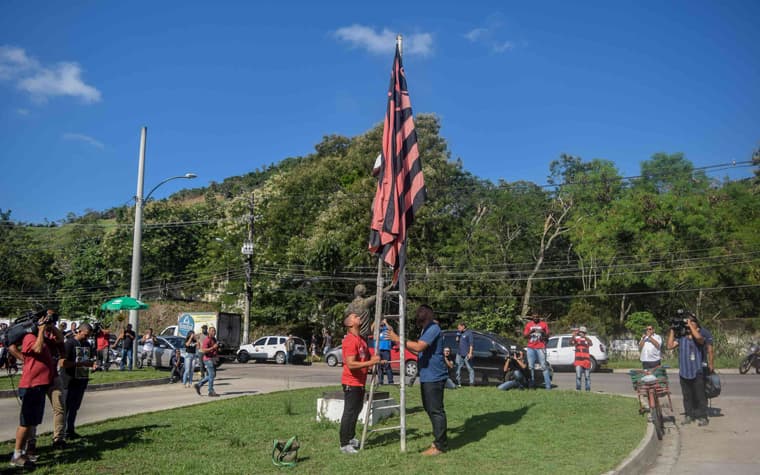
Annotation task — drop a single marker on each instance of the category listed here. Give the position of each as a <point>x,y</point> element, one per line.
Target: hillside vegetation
<point>593,247</point>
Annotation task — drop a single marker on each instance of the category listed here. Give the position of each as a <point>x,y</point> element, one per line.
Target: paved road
<point>727,445</point>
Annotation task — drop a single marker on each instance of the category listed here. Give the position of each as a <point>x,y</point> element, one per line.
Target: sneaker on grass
<point>349,449</point>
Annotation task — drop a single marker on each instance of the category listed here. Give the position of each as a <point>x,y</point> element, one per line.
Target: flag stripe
<point>401,184</point>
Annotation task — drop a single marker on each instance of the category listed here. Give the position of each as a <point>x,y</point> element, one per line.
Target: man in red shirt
<point>537,332</point>
<point>356,362</point>
<point>209,348</point>
<point>38,373</point>
<point>103,345</point>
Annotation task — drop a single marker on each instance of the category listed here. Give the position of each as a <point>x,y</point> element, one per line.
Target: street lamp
<point>134,289</point>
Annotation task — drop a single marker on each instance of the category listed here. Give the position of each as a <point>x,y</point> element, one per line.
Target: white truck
<point>227,329</point>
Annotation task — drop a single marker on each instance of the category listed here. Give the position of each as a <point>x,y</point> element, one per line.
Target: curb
<point>669,370</point>
<point>7,393</point>
<point>641,458</point>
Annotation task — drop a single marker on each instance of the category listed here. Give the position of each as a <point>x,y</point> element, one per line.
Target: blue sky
<point>227,87</point>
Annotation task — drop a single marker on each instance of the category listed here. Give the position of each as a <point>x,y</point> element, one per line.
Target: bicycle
<point>652,384</point>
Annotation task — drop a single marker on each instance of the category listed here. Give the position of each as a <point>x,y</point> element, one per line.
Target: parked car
<point>272,348</point>
<point>334,357</point>
<point>560,352</point>
<point>489,351</point>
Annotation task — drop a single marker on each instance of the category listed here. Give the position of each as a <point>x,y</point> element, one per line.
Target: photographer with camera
<point>102,345</point>
<point>695,357</point>
<point>37,376</point>
<point>79,359</point>
<point>582,362</point>
<point>650,345</point>
<point>514,369</point>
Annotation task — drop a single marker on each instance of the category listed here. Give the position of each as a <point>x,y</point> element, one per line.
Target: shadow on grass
<point>92,447</point>
<point>477,427</point>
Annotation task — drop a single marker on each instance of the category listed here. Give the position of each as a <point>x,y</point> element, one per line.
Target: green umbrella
<point>124,303</point>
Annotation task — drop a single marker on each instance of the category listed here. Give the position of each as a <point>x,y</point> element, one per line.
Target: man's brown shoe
<point>432,451</point>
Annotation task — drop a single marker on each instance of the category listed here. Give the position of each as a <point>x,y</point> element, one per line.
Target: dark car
<point>489,351</point>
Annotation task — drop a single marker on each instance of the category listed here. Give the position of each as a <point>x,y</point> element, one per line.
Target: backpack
<point>285,452</point>
<point>712,385</point>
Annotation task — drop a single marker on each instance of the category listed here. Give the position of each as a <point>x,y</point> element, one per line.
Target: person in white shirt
<point>649,346</point>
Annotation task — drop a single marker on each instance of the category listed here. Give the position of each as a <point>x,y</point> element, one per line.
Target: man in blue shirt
<point>695,360</point>
<point>433,374</point>
<point>464,353</point>
<point>384,348</point>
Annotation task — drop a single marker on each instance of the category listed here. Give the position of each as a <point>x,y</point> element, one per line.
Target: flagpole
<point>402,318</point>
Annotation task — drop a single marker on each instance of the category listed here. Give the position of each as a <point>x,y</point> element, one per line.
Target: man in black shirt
<point>127,339</point>
<point>79,358</point>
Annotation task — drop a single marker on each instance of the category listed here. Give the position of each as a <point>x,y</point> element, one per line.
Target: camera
<point>26,324</point>
<point>680,324</point>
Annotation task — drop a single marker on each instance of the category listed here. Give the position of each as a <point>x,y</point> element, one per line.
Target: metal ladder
<point>402,360</point>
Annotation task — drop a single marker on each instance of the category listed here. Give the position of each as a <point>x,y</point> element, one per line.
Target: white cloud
<point>502,47</point>
<point>475,34</point>
<point>84,138</point>
<point>384,41</point>
<point>41,81</point>
<point>489,36</point>
<point>22,111</point>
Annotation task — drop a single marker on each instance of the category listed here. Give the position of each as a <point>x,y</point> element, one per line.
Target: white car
<point>272,348</point>
<point>560,351</point>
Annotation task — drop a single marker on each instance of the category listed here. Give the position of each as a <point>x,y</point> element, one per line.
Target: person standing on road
<point>356,363</point>
<point>37,375</point>
<point>464,353</point>
<point>148,341</point>
<point>384,348</point>
<point>694,361</point>
<point>104,356</point>
<point>209,348</point>
<point>127,339</point>
<point>201,340</point>
<point>290,346</point>
<point>650,345</point>
<point>537,332</point>
<point>582,361</point>
<point>79,358</point>
<point>327,341</point>
<point>433,374</point>
<point>191,345</point>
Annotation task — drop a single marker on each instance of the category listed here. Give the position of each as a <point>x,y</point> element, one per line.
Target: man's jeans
<point>74,396</point>
<point>353,400</point>
<point>517,381</point>
<point>462,361</point>
<point>385,369</point>
<point>210,375</point>
<point>432,401</point>
<point>187,378</point>
<point>126,358</point>
<point>538,354</point>
<point>581,371</point>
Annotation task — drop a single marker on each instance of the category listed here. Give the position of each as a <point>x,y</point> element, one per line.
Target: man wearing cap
<point>537,332</point>
<point>582,361</point>
<point>356,363</point>
<point>649,347</point>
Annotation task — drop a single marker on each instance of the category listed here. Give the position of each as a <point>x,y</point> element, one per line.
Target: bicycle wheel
<point>745,365</point>
<point>656,412</point>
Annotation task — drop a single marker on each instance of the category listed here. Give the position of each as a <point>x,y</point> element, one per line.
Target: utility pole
<point>247,251</point>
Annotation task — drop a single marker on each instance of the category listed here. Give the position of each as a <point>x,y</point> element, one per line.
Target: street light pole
<point>134,288</point>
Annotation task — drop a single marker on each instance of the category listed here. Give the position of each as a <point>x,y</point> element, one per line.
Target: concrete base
<point>331,409</point>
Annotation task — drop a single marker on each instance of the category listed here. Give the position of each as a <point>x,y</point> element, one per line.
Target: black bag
<point>712,385</point>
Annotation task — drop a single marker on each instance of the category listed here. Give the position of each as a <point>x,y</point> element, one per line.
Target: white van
<point>560,352</point>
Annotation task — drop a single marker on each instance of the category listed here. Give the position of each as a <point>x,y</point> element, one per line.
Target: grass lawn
<point>489,432</point>
<point>720,363</point>
<point>100,377</point>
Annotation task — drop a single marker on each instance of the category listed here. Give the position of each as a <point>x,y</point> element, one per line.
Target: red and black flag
<point>400,184</point>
